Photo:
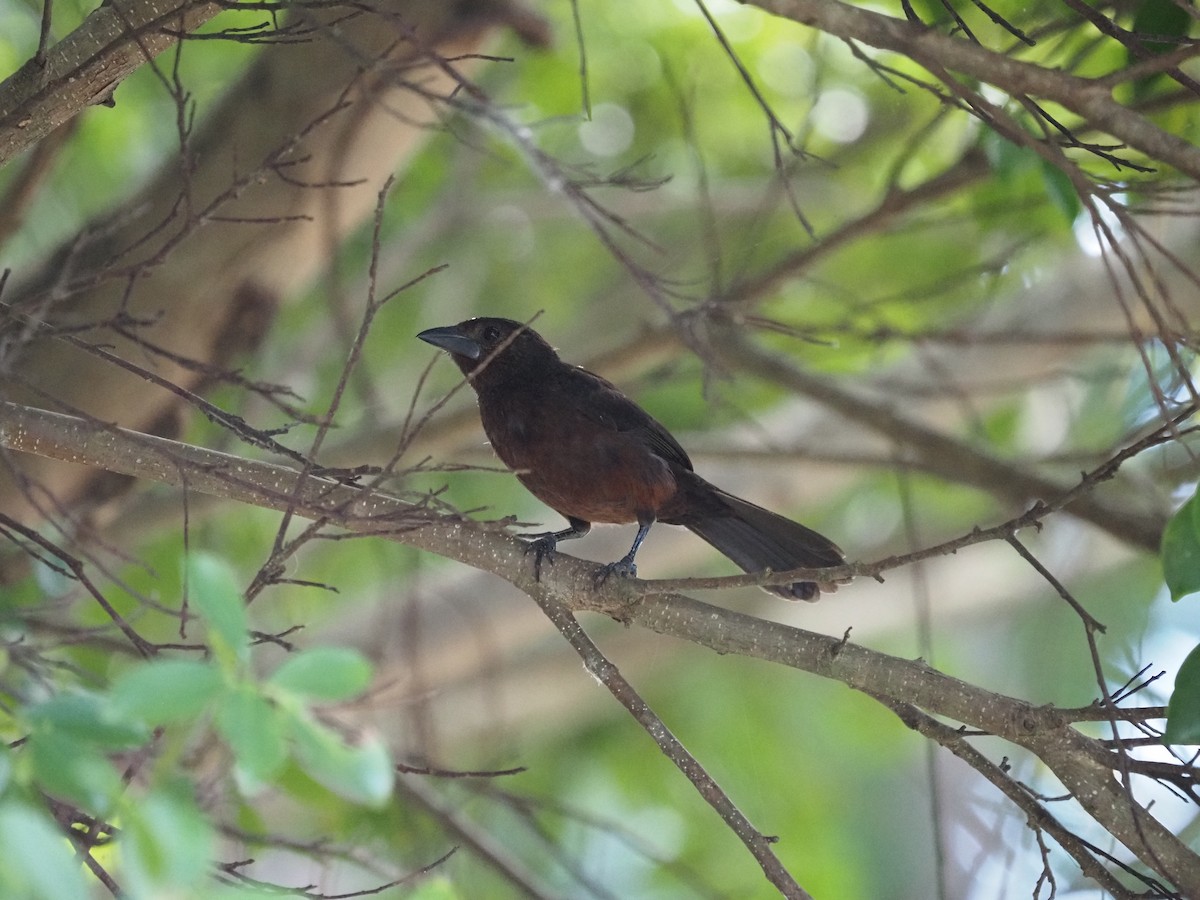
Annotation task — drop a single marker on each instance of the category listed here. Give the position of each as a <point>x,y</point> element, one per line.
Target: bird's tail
<point>757,539</point>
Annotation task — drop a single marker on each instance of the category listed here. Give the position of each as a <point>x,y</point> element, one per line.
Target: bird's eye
<point>491,333</point>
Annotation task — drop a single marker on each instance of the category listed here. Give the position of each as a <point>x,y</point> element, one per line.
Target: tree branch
<point>87,65</point>
<point>607,674</point>
<point>1082,764</point>
<point>954,459</point>
<point>1088,98</point>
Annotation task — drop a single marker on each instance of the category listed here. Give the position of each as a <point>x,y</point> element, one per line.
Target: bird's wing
<point>607,406</point>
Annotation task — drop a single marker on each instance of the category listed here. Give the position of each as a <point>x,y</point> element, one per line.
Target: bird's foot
<point>622,568</point>
<point>543,547</point>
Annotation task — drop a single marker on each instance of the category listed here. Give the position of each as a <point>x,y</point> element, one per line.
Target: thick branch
<point>486,548</point>
<point>1037,814</point>
<point>1091,100</point>
<point>1074,759</point>
<point>86,66</point>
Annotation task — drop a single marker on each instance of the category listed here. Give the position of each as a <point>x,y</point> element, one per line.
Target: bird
<point>594,456</point>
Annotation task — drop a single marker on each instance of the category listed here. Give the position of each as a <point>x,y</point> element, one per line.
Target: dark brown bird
<point>592,454</point>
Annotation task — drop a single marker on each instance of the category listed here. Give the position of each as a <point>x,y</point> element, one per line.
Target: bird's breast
<point>576,466</point>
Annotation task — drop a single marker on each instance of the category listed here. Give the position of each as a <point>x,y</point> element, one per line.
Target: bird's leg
<point>543,545</point>
<point>625,566</point>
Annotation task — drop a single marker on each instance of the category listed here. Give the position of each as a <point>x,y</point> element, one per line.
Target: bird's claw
<point>622,568</point>
<point>543,547</point>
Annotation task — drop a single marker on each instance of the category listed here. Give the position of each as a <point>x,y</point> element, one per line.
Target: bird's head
<point>489,344</point>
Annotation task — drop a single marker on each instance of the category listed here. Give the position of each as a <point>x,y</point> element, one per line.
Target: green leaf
<point>1183,711</point>
<point>213,592</point>
<point>166,843</point>
<point>254,729</point>
<point>70,737</point>
<point>73,771</point>
<point>1014,165</point>
<point>35,859</point>
<point>1159,18</point>
<point>1156,18</point>
<point>325,674</point>
<point>166,690</point>
<point>86,718</point>
<point>361,774</point>
<point>1061,192</point>
<point>1006,158</point>
<point>1181,551</point>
